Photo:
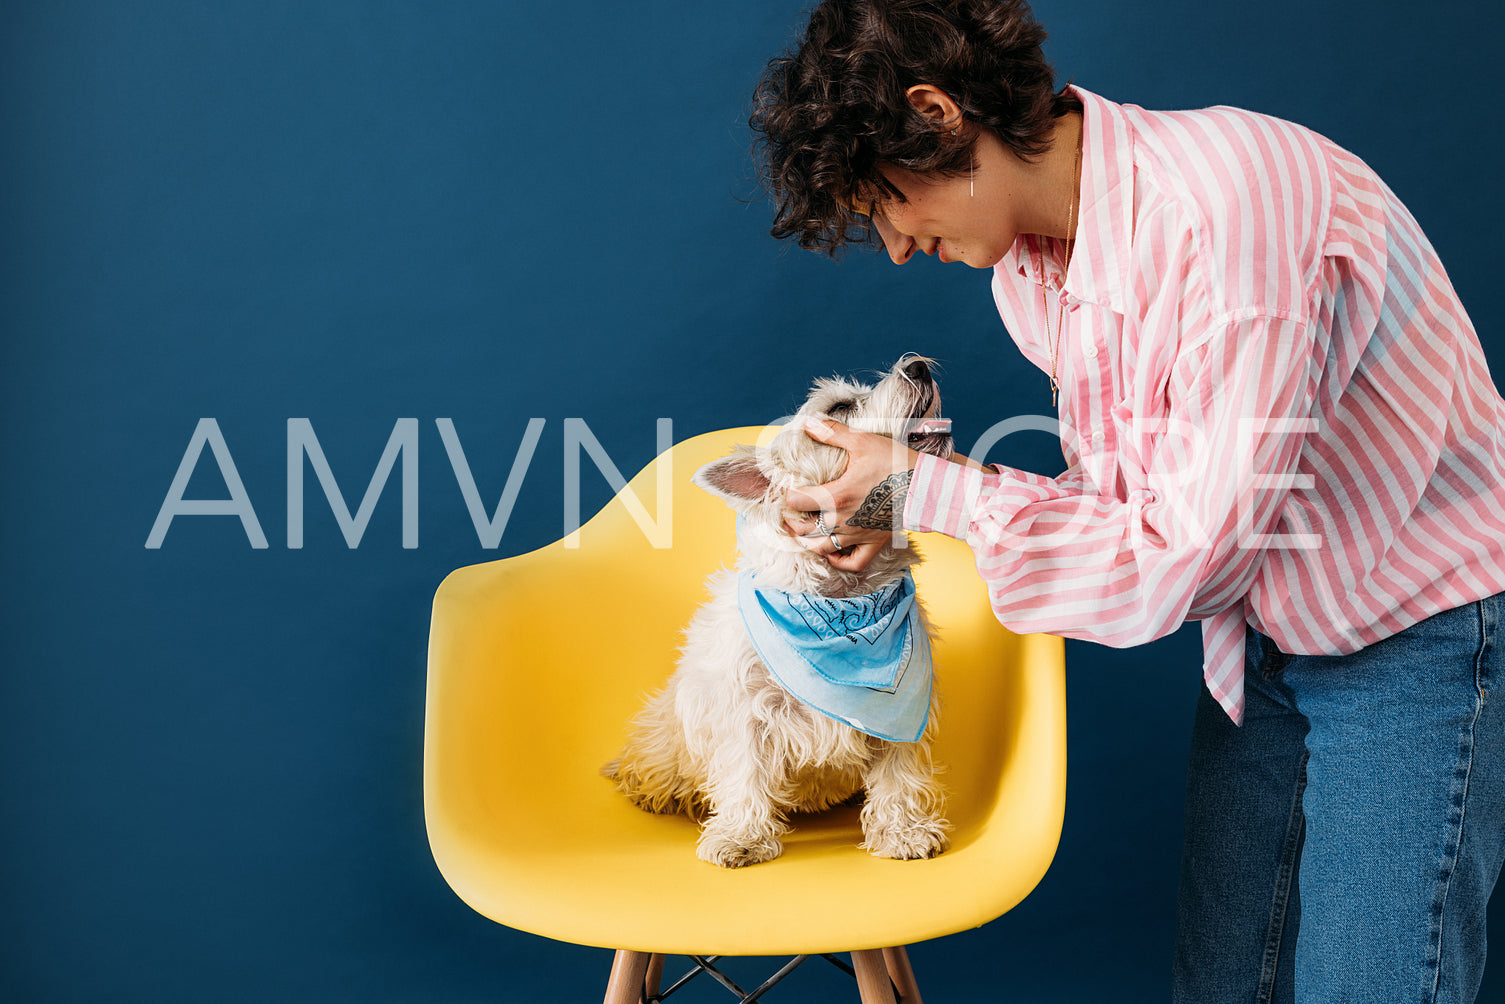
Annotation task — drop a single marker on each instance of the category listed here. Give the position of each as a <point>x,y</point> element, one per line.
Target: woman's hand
<point>862,509</point>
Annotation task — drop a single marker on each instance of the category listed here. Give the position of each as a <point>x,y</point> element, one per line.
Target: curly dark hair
<point>829,113</point>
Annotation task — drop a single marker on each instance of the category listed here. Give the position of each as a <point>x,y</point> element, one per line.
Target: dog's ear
<point>735,479</point>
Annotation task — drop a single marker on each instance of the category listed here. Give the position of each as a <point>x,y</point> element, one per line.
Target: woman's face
<point>968,218</point>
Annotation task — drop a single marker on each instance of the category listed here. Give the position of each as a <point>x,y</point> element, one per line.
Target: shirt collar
<point>1105,227</point>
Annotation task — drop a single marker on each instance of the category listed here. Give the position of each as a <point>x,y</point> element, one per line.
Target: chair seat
<point>527,700</point>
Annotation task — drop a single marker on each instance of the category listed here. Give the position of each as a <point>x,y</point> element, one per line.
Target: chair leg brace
<point>883,976</point>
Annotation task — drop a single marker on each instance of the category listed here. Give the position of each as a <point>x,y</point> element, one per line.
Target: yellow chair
<point>527,699</point>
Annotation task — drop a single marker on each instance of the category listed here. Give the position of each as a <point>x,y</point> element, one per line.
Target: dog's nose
<point>917,371</point>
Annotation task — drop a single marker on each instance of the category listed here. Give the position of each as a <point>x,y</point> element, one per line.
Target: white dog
<point>728,740</point>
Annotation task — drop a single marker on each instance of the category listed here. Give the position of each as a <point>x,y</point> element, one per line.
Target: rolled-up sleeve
<point>1061,556</point>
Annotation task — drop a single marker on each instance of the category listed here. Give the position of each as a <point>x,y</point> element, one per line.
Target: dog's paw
<point>919,838</point>
<point>728,851</point>
<point>661,803</point>
<point>661,793</point>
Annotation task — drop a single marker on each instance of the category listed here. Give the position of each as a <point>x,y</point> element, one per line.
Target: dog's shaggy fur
<point>723,741</point>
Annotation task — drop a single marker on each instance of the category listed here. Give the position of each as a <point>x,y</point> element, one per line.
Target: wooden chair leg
<point>627,972</point>
<point>897,962</point>
<point>655,973</point>
<point>872,977</point>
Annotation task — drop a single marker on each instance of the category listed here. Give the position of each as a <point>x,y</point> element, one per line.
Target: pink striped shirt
<point>1274,409</point>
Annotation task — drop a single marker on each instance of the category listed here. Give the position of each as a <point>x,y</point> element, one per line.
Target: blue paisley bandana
<point>863,660</point>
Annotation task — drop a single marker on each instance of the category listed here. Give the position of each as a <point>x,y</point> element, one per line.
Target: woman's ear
<point>936,105</point>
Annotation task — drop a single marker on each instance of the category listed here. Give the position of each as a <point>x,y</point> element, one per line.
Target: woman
<point>1277,420</point>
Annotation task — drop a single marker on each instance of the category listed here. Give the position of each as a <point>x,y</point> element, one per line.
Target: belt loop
<point>1271,659</point>
<point>1489,626</point>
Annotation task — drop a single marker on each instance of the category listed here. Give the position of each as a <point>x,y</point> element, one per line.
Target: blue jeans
<point>1342,844</point>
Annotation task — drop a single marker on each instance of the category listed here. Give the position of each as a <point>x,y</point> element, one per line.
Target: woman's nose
<point>901,247</point>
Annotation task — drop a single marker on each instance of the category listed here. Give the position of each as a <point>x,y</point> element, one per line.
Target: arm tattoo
<point>881,508</point>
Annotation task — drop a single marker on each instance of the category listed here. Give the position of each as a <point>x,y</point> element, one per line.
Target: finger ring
<point>820,524</point>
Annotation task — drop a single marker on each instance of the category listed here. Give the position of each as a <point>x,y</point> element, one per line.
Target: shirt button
<point>1097,437</point>
<point>1091,352</point>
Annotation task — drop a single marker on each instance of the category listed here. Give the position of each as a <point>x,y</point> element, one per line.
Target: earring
<point>971,166</point>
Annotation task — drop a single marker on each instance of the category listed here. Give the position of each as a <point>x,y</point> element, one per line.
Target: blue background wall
<point>489,212</point>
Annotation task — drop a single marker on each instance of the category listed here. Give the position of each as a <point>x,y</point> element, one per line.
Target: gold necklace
<point>1055,386</point>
